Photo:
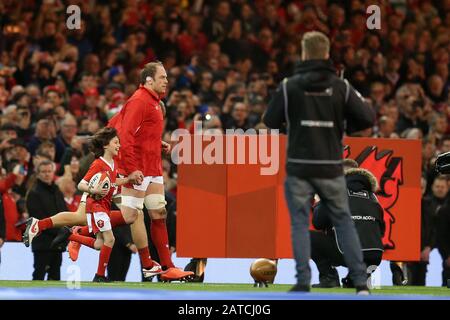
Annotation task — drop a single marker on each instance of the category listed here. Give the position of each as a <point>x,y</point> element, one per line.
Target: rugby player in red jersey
<point>140,126</point>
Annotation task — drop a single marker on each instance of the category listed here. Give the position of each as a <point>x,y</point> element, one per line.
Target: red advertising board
<point>232,210</point>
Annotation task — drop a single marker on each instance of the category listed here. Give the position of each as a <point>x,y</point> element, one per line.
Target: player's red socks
<point>116,218</point>
<point>105,253</point>
<point>45,224</point>
<point>146,260</point>
<point>85,240</point>
<point>160,239</point>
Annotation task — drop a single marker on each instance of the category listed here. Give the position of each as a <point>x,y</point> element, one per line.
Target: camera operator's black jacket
<point>430,210</point>
<point>313,104</point>
<point>366,211</point>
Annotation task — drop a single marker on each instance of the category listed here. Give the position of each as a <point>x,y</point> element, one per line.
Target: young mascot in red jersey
<point>105,145</point>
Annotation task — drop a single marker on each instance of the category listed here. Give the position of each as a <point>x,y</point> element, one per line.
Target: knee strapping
<point>132,202</point>
<point>155,202</point>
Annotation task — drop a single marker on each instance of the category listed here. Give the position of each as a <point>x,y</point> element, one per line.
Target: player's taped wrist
<point>84,197</point>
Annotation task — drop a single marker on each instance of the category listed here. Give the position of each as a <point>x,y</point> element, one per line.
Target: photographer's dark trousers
<point>119,263</point>
<point>417,273</point>
<point>333,192</point>
<point>326,255</point>
<point>47,263</point>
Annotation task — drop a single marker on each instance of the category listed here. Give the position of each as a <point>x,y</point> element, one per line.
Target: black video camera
<point>443,163</point>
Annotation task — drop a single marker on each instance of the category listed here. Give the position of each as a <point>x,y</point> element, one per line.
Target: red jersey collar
<point>151,92</point>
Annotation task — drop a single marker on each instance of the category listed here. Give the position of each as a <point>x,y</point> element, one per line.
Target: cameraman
<point>314,106</point>
<point>443,222</point>
<point>367,214</point>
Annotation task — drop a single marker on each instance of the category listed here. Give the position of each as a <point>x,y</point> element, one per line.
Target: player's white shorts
<point>138,203</point>
<point>98,221</point>
<point>146,182</point>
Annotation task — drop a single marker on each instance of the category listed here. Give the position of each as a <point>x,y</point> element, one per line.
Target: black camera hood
<point>443,163</point>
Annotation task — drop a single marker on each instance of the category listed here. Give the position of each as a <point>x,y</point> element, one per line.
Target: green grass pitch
<point>434,291</point>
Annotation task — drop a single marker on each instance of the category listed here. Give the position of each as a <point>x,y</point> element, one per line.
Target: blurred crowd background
<point>223,59</point>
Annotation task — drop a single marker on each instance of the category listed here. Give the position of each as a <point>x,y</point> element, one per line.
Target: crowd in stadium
<point>223,58</point>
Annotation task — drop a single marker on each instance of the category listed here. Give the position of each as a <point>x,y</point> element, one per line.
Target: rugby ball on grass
<point>263,270</point>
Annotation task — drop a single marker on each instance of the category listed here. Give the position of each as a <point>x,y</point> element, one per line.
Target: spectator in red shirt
<point>9,215</point>
<point>264,49</point>
<point>337,19</point>
<point>91,107</point>
<point>358,27</point>
<point>310,21</point>
<point>77,100</point>
<point>192,41</point>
